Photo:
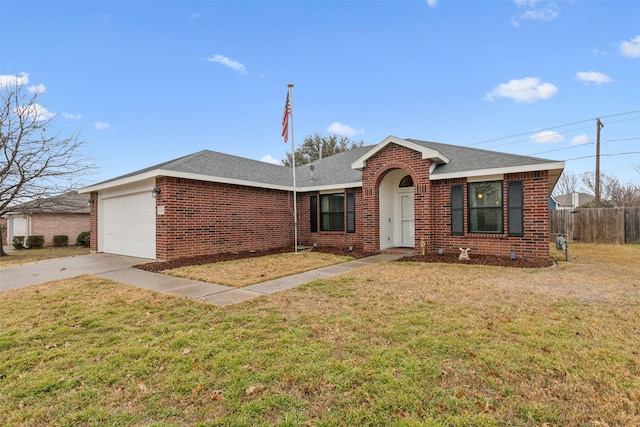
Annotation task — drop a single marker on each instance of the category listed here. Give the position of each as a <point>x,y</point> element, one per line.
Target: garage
<point>127,225</point>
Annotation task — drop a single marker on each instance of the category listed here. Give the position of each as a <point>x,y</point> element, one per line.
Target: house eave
<point>312,188</point>
<point>186,175</point>
<point>553,166</point>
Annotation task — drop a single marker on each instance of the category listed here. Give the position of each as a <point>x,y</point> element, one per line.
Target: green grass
<point>391,344</point>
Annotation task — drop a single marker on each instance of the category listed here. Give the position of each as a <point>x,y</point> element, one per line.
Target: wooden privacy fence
<point>603,225</point>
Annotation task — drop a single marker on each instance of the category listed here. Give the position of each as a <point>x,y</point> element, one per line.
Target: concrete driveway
<point>119,268</point>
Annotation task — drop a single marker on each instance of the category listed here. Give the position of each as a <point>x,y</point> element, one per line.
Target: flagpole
<point>293,162</point>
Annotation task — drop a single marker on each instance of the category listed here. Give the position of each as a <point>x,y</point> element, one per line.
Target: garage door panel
<point>129,226</point>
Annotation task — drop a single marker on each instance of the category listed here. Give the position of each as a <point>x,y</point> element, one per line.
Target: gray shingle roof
<point>464,159</point>
<point>69,202</point>
<point>334,171</point>
<point>215,164</point>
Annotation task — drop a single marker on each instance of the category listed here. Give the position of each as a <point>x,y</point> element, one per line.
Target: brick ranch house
<point>396,194</point>
<point>65,214</point>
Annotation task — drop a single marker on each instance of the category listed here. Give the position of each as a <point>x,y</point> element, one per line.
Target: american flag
<point>285,119</point>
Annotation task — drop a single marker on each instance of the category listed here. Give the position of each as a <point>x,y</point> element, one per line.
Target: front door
<point>407,230</point>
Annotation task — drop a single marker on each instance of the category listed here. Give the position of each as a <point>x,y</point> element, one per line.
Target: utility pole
<point>599,126</point>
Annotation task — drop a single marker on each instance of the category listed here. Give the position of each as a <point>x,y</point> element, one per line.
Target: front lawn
<point>26,256</point>
<point>388,344</point>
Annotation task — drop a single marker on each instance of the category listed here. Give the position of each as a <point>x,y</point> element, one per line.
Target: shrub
<point>60,241</point>
<point>18,242</point>
<point>35,242</point>
<point>84,239</point>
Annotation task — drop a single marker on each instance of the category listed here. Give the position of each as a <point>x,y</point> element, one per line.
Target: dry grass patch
<point>244,272</point>
<point>26,256</point>
<point>389,344</point>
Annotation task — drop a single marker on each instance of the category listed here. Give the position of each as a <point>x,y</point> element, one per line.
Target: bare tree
<point>34,166</point>
<point>316,146</point>
<point>567,184</point>
<point>613,191</point>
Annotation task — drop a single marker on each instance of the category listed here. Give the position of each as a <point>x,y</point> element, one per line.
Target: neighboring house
<point>396,194</point>
<point>66,214</point>
<point>572,201</point>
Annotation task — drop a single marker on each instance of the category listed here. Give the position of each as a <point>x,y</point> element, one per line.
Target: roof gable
<point>427,153</point>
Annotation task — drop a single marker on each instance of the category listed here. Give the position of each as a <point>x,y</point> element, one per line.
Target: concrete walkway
<point>119,268</point>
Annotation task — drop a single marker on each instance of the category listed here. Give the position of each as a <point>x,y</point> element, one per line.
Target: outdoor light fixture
<point>155,193</point>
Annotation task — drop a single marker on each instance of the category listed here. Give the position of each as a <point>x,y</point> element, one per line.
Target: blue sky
<point>149,81</point>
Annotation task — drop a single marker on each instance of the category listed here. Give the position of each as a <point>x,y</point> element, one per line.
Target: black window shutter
<point>313,210</point>
<point>515,211</point>
<point>351,212</point>
<point>457,210</point>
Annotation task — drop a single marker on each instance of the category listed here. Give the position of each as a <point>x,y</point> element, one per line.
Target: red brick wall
<point>339,239</point>
<point>534,243</point>
<point>392,157</point>
<point>49,225</point>
<point>206,217</point>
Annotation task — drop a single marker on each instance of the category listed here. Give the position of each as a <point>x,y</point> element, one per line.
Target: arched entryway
<point>397,210</point>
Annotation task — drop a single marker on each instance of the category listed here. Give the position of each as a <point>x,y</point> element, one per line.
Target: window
<point>515,202</point>
<point>457,210</point>
<point>332,212</point>
<point>313,212</point>
<point>351,212</point>
<point>407,181</point>
<point>485,207</point>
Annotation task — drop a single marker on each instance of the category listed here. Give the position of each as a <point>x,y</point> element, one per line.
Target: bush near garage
<point>35,242</point>
<point>60,241</point>
<point>84,239</point>
<point>18,242</point>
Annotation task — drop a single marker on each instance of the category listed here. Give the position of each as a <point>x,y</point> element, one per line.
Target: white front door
<point>407,230</point>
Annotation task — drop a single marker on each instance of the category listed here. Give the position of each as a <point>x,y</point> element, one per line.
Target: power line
<point>539,137</point>
<point>560,149</point>
<point>604,155</point>
<point>623,139</point>
<point>550,128</point>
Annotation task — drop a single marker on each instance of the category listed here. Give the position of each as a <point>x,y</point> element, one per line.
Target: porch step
<point>398,251</point>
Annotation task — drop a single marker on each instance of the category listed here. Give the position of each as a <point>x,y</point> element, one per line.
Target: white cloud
<point>227,62</point>
<point>71,116</point>
<point>35,112</point>
<point>195,15</point>
<point>12,79</point>
<point>630,48</point>
<point>529,89</point>
<point>37,89</point>
<point>432,3</point>
<point>338,128</point>
<point>269,159</point>
<point>580,140</point>
<point>101,125</point>
<point>546,137</point>
<point>535,11</point>
<point>593,77</point>
<point>598,52</point>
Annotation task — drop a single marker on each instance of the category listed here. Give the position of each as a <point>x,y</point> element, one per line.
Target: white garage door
<point>129,225</point>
